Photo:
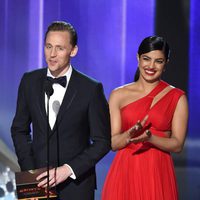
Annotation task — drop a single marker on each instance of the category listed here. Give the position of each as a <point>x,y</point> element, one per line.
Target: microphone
<point>56,107</point>
<point>48,88</point>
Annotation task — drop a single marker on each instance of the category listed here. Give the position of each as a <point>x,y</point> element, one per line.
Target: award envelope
<point>26,185</point>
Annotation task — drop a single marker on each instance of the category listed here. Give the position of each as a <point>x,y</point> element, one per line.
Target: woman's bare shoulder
<point>125,88</point>
<point>122,91</point>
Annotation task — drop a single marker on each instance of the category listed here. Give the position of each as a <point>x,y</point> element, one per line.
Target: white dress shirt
<point>56,99</point>
<point>55,102</point>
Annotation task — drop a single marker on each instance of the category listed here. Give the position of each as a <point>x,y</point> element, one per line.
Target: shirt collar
<point>67,74</point>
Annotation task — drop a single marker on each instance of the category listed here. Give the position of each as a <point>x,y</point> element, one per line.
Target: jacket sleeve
<point>100,134</point>
<point>20,129</point>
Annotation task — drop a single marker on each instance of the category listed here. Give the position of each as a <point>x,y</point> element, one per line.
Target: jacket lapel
<point>41,94</point>
<point>69,96</point>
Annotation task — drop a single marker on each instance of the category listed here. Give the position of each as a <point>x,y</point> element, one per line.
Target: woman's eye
<point>145,58</point>
<point>160,61</point>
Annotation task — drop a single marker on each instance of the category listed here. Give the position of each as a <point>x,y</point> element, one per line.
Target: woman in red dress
<point>149,121</point>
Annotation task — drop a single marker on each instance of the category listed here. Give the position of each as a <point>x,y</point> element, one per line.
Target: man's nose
<point>53,52</point>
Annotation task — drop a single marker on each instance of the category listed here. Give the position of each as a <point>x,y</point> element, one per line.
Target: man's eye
<point>48,46</point>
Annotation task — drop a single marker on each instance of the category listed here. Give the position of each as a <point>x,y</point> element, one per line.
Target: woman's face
<point>151,65</point>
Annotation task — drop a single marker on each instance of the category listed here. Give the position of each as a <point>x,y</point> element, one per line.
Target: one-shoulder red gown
<point>142,171</point>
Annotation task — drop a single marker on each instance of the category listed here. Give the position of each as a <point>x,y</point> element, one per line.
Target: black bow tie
<point>60,80</point>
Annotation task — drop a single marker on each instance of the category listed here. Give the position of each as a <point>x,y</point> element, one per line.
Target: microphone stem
<point>48,97</point>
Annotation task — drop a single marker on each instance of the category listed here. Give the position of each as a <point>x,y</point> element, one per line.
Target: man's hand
<point>56,176</point>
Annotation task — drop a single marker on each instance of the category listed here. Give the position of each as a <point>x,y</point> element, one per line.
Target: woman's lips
<point>150,72</point>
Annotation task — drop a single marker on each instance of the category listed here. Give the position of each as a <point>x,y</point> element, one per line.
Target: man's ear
<point>74,51</point>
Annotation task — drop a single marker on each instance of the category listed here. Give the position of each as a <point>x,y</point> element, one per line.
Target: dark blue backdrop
<point>109,34</point>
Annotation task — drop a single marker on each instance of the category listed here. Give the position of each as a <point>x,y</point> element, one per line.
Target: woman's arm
<point>178,130</point>
<point>119,140</point>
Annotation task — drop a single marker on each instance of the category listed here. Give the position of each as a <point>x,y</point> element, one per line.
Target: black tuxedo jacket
<point>80,137</point>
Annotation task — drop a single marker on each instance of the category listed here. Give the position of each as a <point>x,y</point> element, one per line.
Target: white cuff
<point>73,176</point>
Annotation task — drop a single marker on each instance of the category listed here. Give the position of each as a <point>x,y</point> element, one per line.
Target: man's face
<point>58,51</point>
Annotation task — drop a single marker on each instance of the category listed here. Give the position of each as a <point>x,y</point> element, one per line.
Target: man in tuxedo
<point>78,122</point>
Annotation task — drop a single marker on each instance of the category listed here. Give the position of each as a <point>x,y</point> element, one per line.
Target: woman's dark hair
<point>152,43</point>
